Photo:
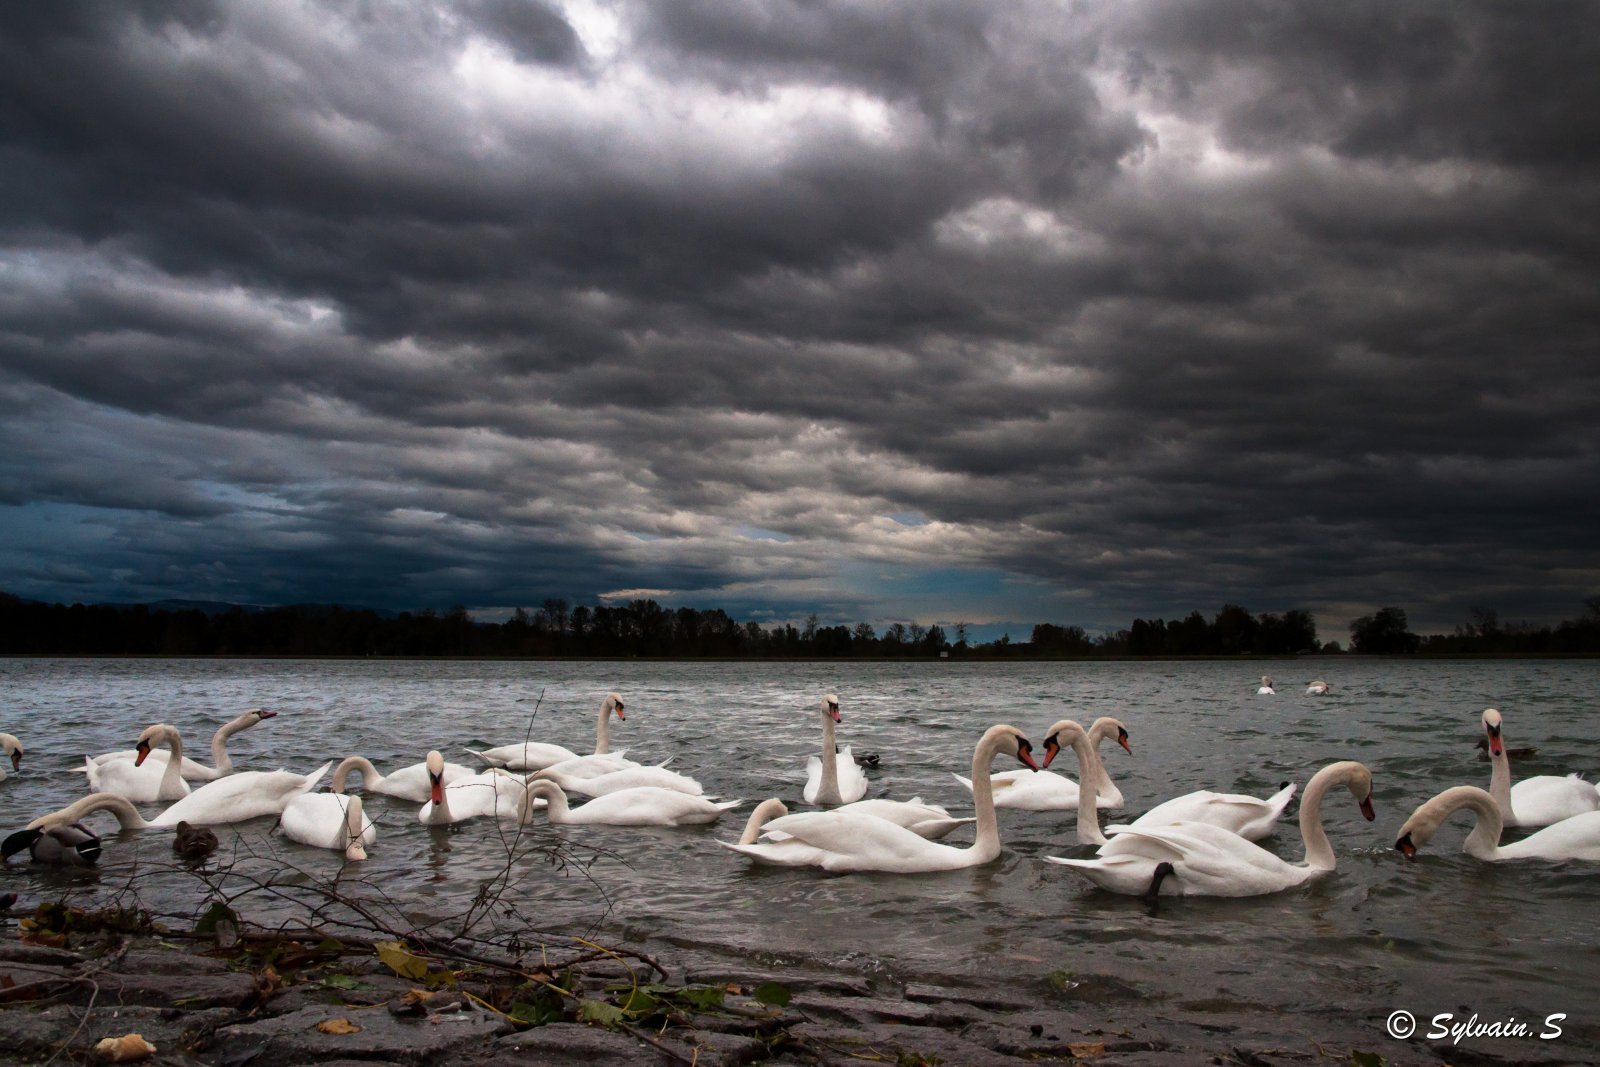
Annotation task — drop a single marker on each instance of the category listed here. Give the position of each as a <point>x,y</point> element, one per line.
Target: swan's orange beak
<point>1025,754</point>
<point>266,715</point>
<point>618,710</point>
<point>1366,809</point>
<point>1052,748</point>
<point>438,789</point>
<point>1122,739</point>
<point>1496,746</point>
<point>1406,848</point>
<point>834,711</point>
<point>143,750</point>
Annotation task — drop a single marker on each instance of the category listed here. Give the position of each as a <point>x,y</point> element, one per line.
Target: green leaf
<point>401,961</point>
<point>639,1003</point>
<point>1061,981</point>
<point>341,981</point>
<point>537,1013</point>
<point>217,913</point>
<point>706,997</point>
<point>773,993</point>
<point>598,1011</point>
<point>1366,1059</point>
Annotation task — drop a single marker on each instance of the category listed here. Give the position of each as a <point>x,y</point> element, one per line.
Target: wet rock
<point>880,1009</point>
<point>170,962</point>
<point>574,1045</point>
<point>988,999</point>
<point>17,952</point>
<point>891,1043</point>
<point>42,1031</point>
<point>295,1037</point>
<point>837,985</point>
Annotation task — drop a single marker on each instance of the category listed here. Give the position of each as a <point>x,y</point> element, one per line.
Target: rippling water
<point>1443,933</point>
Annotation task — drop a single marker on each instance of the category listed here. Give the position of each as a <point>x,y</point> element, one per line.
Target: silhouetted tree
<point>1383,633</point>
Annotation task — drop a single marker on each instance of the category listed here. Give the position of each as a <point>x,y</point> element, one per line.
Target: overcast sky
<point>922,311</point>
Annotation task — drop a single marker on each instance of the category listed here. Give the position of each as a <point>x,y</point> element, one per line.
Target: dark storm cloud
<point>1139,308</point>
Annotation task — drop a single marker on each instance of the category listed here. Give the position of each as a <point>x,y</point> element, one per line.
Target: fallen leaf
<point>124,1049</point>
<point>1084,1049</point>
<point>401,960</point>
<point>338,1026</point>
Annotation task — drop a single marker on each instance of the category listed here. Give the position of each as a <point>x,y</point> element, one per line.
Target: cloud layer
<point>926,310</point>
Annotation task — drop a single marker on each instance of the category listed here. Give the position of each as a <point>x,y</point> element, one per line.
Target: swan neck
<point>765,810</point>
<point>362,766</point>
<point>1484,840</point>
<point>1500,782</point>
<point>172,777</point>
<point>1090,772</point>
<point>128,816</point>
<point>354,830</point>
<point>986,841</point>
<point>828,792</point>
<point>602,731</point>
<point>557,809</point>
<point>1319,851</point>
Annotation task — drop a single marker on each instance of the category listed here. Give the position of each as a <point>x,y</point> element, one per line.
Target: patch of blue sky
<point>758,533</point>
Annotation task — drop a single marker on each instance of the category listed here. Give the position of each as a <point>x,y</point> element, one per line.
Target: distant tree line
<point>644,628</point>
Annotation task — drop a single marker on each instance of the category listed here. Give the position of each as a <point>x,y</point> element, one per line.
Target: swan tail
<point>489,760</point>
<point>966,781</point>
<point>666,761</point>
<point>728,805</point>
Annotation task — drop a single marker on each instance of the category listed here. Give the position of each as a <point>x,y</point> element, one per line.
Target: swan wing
<point>318,819</point>
<point>853,782</point>
<point>1546,799</point>
<point>143,784</point>
<point>851,842</point>
<point>1210,861</point>
<point>240,796</point>
<point>647,806</point>
<point>1576,838</point>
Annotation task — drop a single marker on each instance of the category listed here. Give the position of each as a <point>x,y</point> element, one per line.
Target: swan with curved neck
<point>932,821</point>
<point>408,783</point>
<point>329,820</point>
<point>240,796</point>
<point>639,806</point>
<point>1048,791</point>
<point>1266,689</point>
<point>194,771</point>
<point>1198,859</point>
<point>841,841</point>
<point>137,781</point>
<point>13,750</point>
<point>834,777</point>
<point>1538,801</point>
<point>537,755</point>
<point>496,793</point>
<point>1577,838</point>
<point>1318,688</point>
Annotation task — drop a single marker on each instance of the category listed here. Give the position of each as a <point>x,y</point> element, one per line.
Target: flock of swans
<point>1201,843</point>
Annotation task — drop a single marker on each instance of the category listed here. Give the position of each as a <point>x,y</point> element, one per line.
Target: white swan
<point>495,793</point>
<point>62,845</point>
<point>198,772</point>
<point>408,783</point>
<point>1198,859</point>
<point>240,796</point>
<point>537,755</point>
<point>596,764</point>
<point>1240,813</point>
<point>139,781</point>
<point>328,820</point>
<point>931,821</point>
<point>1048,791</point>
<point>1317,688</point>
<point>13,750</point>
<point>1537,801</point>
<point>615,781</point>
<point>1577,838</point>
<point>834,777</point>
<point>1266,689</point>
<point>843,841</point>
<point>639,806</point>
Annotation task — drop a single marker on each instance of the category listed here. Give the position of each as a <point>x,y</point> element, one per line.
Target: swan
<point>925,820</point>
<point>1247,816</point>
<point>1577,838</point>
<point>834,777</point>
<point>1266,689</point>
<point>639,806</point>
<point>1537,801</point>
<point>495,792</point>
<point>64,845</point>
<point>841,841</point>
<point>328,820</point>
<point>633,778</point>
<point>134,780</point>
<point>199,772</point>
<point>537,755</point>
<point>1049,791</point>
<point>1317,688</point>
<point>408,783</point>
<point>1206,860</point>
<point>240,796</point>
<point>13,750</point>
<point>596,764</point>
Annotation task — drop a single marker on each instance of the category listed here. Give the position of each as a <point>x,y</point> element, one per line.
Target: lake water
<point>1331,960</point>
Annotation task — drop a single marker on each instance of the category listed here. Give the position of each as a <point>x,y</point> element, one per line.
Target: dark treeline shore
<point>644,628</point>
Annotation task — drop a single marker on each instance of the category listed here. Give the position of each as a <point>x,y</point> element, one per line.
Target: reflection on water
<point>1431,935</point>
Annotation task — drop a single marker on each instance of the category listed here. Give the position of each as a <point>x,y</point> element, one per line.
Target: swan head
<point>152,734</point>
<point>1010,740</point>
<point>1063,734</point>
<point>830,707</point>
<point>262,713</point>
<point>614,705</point>
<point>1360,784</point>
<point>1491,731</point>
<point>1106,724</point>
<point>435,764</point>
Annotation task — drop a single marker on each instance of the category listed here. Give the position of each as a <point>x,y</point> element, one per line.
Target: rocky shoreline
<point>70,979</point>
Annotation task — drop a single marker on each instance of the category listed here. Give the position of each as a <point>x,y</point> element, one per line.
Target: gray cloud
<point>1140,308</point>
